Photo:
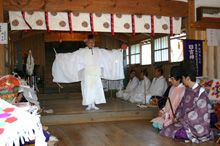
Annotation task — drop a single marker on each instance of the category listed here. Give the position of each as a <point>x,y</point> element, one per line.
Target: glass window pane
<point>137,59</point>
<point>146,54</point>
<point>132,59</point>
<point>155,56</point>
<point>137,48</point>
<point>165,55</point>
<point>133,50</point>
<point>166,42</point>
<point>127,51</point>
<point>127,60</point>
<point>159,44</point>
<point>158,56</point>
<point>155,44</point>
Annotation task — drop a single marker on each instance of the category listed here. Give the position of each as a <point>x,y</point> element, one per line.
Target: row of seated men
<point>144,91</point>
<point>187,115</point>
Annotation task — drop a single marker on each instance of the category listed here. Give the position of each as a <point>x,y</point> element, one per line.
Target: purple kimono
<point>193,116</point>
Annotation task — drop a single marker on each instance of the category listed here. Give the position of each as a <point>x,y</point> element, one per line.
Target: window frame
<point>148,41</point>
<point>153,50</point>
<point>137,64</point>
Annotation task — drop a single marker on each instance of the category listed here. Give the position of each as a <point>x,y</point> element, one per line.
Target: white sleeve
<point>65,68</point>
<point>159,88</point>
<point>147,84</point>
<point>112,64</point>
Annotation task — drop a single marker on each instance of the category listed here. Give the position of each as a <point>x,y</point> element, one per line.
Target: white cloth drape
<point>30,64</point>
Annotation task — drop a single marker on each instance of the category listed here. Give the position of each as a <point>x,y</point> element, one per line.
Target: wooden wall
<point>108,42</point>
<point>211,59</point>
<point>37,46</point>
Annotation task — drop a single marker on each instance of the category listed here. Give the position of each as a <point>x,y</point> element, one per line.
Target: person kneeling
<point>138,95</point>
<point>176,93</point>
<point>193,115</point>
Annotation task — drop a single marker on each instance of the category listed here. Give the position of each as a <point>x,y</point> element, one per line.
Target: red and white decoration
<point>142,24</point>
<point>102,22</point>
<point>59,21</point>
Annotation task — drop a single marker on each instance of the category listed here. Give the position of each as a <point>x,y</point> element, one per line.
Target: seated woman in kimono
<point>176,93</point>
<point>193,115</point>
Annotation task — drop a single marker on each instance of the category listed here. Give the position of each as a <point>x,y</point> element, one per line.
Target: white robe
<point>157,88</point>
<point>89,66</point>
<point>139,94</point>
<point>132,85</point>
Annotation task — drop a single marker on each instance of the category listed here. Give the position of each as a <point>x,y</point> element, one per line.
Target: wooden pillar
<point>190,33</point>
<point>2,49</point>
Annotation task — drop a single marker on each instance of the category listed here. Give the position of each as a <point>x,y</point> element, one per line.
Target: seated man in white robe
<point>158,85</point>
<point>139,94</point>
<point>132,85</point>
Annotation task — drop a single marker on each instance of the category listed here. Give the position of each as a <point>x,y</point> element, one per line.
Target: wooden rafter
<point>203,25</point>
<point>145,7</point>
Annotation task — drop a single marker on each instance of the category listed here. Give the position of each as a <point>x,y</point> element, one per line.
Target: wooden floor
<point>121,133</point>
<point>68,109</point>
<point>115,124</point>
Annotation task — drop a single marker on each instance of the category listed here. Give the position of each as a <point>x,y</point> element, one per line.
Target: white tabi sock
<point>94,107</point>
<point>89,107</point>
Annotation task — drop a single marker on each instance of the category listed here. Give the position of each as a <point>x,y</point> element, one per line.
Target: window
<point>127,55</point>
<point>176,51</point>
<point>161,49</point>
<point>146,53</point>
<point>135,54</point>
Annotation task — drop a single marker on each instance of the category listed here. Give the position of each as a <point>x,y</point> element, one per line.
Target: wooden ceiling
<point>147,7</point>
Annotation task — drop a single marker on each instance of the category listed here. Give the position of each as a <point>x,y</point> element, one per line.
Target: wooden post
<point>2,49</point>
<point>59,89</point>
<point>190,33</point>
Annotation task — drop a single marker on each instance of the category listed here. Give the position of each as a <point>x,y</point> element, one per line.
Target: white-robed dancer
<point>132,85</point>
<point>89,65</point>
<point>139,94</point>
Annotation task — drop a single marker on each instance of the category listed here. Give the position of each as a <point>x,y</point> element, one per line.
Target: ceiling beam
<point>144,7</point>
<point>66,36</point>
<point>203,25</point>
<point>138,38</point>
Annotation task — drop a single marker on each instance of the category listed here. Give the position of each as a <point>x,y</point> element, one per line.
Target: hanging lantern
<point>124,46</point>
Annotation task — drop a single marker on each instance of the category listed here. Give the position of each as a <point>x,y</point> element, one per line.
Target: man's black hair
<point>90,36</point>
<point>144,71</point>
<point>132,71</point>
<point>160,69</point>
<point>189,69</point>
<point>176,72</point>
